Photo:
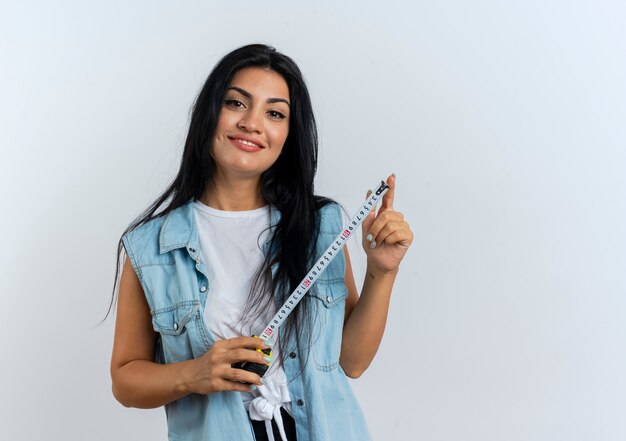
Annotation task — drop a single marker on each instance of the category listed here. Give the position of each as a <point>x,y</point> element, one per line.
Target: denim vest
<point>165,253</point>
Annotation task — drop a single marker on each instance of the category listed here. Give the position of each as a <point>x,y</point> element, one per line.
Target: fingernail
<point>393,174</point>
<point>373,244</point>
<point>370,237</point>
<point>269,360</point>
<point>253,387</point>
<point>261,381</point>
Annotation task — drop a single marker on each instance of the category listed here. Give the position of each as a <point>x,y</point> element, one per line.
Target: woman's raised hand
<point>386,235</point>
<point>213,371</point>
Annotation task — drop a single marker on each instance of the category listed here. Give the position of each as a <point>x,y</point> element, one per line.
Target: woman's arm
<point>140,382</point>
<point>366,315</point>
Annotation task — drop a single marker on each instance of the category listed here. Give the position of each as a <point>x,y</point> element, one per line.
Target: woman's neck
<point>233,195</point>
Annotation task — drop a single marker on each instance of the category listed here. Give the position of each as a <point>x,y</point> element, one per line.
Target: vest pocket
<point>328,330</point>
<point>172,320</point>
<point>179,339</point>
<point>330,292</point>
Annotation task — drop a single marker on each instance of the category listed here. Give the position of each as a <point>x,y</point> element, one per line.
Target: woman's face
<point>253,124</point>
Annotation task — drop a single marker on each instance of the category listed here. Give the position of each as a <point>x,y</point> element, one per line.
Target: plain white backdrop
<point>504,123</point>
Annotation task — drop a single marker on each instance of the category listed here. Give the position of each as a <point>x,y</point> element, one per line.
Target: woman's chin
<point>244,171</point>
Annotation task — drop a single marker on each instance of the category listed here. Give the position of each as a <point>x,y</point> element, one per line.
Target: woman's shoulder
<point>150,228</point>
<point>148,235</point>
<point>330,215</point>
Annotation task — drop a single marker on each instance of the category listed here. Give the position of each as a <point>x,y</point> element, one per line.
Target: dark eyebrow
<point>248,95</point>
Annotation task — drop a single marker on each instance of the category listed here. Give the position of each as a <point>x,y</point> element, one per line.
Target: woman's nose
<point>251,121</point>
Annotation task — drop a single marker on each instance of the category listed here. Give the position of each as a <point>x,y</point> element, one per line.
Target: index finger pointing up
<point>387,203</point>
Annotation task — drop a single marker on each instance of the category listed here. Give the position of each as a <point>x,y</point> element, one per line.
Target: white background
<point>505,125</point>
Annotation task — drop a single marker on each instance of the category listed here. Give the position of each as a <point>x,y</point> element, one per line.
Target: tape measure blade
<point>323,261</point>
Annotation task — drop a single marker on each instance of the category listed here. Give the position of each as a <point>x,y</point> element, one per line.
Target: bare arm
<point>366,315</point>
<point>137,381</point>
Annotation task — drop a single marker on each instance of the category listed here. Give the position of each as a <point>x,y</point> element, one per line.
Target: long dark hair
<point>287,185</point>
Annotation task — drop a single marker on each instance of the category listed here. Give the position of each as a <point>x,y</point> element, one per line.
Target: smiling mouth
<point>245,142</point>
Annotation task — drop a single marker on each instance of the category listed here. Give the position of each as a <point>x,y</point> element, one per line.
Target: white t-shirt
<point>231,243</point>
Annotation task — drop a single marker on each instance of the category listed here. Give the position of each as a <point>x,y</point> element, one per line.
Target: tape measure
<point>314,273</point>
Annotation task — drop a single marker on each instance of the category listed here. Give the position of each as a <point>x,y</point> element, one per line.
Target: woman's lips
<point>247,147</point>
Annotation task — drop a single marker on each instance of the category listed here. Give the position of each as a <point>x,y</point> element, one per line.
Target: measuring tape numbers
<point>314,273</point>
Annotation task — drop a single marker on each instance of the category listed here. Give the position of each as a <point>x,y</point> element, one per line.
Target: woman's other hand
<point>213,371</point>
<point>386,235</point>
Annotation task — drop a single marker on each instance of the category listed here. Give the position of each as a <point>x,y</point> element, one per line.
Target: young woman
<point>212,258</point>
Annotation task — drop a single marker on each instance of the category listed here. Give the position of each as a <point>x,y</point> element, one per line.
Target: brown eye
<point>234,103</point>
<point>275,114</point>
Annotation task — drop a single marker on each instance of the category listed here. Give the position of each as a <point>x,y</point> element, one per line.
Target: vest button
<point>328,299</point>
<point>175,326</point>
<point>300,403</point>
<point>292,355</point>
<point>202,288</point>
